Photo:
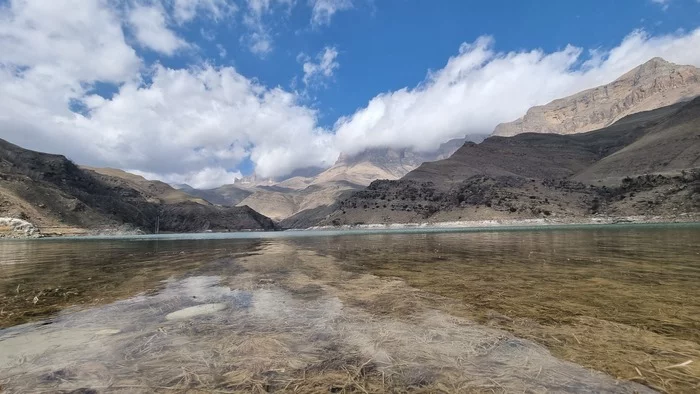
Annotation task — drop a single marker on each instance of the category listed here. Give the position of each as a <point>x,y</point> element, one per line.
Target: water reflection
<point>378,312</point>
<point>267,339</point>
<point>39,278</point>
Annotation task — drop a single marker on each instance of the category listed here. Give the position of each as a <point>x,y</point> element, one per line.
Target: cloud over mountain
<point>74,79</point>
<point>481,87</point>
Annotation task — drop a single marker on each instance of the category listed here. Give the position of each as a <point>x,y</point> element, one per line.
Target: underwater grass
<point>626,306</point>
<point>399,313</point>
<point>297,322</point>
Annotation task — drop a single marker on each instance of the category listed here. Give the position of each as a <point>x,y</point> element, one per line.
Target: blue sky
<point>202,91</point>
<point>385,45</point>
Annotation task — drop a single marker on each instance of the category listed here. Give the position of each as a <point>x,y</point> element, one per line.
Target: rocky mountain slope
<point>153,191</point>
<point>655,84</point>
<point>645,164</point>
<point>226,195</point>
<point>373,164</point>
<point>279,203</point>
<point>312,189</point>
<point>309,190</point>
<point>57,196</point>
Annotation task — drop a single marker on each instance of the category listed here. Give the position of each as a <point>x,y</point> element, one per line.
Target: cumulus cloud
<point>150,29</point>
<point>194,123</point>
<point>318,72</point>
<point>481,87</point>
<point>322,11</point>
<point>205,118</point>
<point>71,40</point>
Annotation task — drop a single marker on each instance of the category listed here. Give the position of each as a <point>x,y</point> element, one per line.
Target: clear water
<point>555,309</point>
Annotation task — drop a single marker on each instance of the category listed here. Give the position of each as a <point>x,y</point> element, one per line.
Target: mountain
<point>279,203</point>
<point>276,201</point>
<point>153,191</point>
<point>645,164</point>
<point>309,189</point>
<point>227,195</point>
<point>668,148</point>
<point>373,164</point>
<point>57,196</point>
<point>655,84</point>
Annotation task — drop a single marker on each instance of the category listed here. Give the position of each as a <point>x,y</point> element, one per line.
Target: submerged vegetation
<point>619,306</point>
<point>475,312</point>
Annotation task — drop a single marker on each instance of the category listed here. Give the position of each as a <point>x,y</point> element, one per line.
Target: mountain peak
<point>657,61</point>
<point>654,84</point>
<point>653,68</point>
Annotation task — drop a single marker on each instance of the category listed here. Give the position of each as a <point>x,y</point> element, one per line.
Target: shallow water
<point>563,310</point>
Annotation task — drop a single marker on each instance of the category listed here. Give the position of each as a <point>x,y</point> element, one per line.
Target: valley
<point>623,150</point>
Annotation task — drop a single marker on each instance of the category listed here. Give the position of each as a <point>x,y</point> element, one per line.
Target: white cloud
<point>51,56</point>
<point>481,87</point>
<point>35,35</point>
<point>150,28</point>
<point>259,39</point>
<point>222,51</point>
<point>316,73</point>
<point>177,122</point>
<point>188,120</point>
<point>186,10</point>
<point>196,124</point>
<point>323,10</point>
<point>663,3</point>
<point>206,178</point>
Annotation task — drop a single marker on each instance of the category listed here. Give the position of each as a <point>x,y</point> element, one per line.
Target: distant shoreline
<point>453,225</point>
<point>496,223</point>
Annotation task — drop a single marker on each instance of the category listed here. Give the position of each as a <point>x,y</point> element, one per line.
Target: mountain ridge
<point>57,196</point>
<point>540,175</point>
<point>287,197</point>
<point>654,84</point>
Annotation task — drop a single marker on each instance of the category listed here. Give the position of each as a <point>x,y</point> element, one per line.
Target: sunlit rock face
<point>652,85</point>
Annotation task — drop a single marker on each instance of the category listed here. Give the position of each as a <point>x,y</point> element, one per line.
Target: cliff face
<point>57,196</point>
<point>655,84</point>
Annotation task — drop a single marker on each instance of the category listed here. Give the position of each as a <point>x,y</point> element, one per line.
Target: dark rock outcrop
<point>55,194</point>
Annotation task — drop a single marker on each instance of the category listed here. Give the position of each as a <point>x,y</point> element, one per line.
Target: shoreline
<point>510,223</point>
<point>493,224</point>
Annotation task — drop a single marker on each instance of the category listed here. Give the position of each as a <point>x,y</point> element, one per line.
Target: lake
<point>557,309</point>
